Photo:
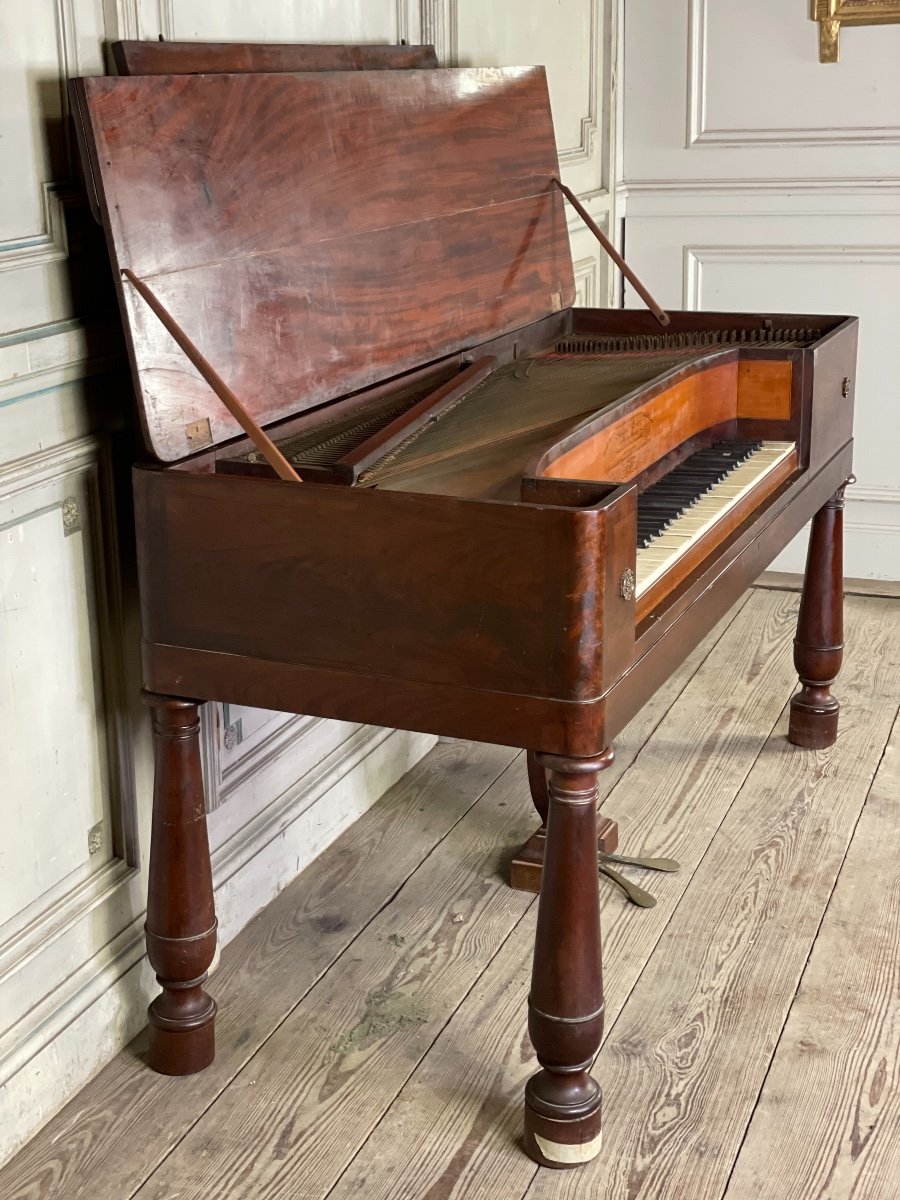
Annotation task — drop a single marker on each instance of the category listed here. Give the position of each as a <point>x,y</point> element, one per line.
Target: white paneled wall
<point>75,805</point>
<point>756,177</point>
<point>575,40</point>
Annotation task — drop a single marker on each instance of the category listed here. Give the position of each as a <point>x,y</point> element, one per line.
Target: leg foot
<point>181,1051</point>
<point>181,920</point>
<point>561,1141</point>
<point>814,718</point>
<point>818,646</point>
<point>565,1007</point>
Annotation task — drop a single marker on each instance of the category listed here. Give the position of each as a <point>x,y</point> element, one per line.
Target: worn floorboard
<point>685,1061</point>
<point>372,1025</point>
<point>110,1137</point>
<point>669,801</point>
<point>286,1125</point>
<point>827,1123</point>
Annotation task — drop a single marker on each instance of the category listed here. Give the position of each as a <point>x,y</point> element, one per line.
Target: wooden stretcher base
<point>527,866</point>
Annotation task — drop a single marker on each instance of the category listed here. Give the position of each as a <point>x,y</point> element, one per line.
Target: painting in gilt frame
<point>832,14</point>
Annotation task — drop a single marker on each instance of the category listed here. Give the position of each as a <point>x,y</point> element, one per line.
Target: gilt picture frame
<point>832,14</point>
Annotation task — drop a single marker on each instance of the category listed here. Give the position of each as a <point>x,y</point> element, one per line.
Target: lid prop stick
<point>254,432</point>
<point>660,313</point>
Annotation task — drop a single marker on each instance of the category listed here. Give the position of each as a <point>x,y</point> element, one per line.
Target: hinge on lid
<point>198,434</point>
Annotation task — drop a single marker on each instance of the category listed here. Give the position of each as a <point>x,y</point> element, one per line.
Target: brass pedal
<point>637,895</point>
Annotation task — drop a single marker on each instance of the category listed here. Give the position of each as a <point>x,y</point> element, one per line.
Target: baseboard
<point>88,1025</point>
<point>789,581</point>
<point>871,538</point>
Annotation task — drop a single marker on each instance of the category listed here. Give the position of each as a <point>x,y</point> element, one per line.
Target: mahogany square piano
<point>394,476</point>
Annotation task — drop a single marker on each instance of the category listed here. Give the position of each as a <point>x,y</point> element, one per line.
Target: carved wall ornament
<point>71,515</point>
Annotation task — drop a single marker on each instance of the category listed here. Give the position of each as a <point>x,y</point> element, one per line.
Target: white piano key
<point>665,550</point>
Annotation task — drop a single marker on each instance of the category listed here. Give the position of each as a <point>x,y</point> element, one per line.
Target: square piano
<point>395,476</point>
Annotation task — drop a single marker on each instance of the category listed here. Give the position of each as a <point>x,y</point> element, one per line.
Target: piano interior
<point>705,423</point>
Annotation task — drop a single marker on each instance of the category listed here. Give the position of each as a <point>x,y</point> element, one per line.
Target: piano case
<point>331,242</point>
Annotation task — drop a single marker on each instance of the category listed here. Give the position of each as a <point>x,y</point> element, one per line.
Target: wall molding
<point>48,356</point>
<point>401,16</point>
<point>599,205</point>
<point>700,133</point>
<point>166,10</point>
<point>50,243</point>
<point>85,467</point>
<point>874,495</point>
<point>784,199</point>
<point>72,996</point>
<point>53,914</point>
<point>587,281</point>
<point>440,27</point>
<point>695,257</point>
<point>222,780</point>
<point>590,122</point>
<point>268,824</point>
<point>128,19</point>
<point>876,527</point>
<point>273,847</point>
<point>887,185</point>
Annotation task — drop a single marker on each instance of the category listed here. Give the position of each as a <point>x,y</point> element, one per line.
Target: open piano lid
<point>315,234</point>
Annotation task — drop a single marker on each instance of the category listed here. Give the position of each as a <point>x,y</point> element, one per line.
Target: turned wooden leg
<point>818,646</point>
<point>537,782</point>
<point>181,918</point>
<point>528,862</point>
<point>565,1007</point>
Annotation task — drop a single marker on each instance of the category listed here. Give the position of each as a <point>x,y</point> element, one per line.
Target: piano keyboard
<point>674,513</point>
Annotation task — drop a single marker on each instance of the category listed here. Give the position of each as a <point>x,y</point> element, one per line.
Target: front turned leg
<point>181,918</point>
<point>819,646</point>
<point>528,862</point>
<point>565,1007</point>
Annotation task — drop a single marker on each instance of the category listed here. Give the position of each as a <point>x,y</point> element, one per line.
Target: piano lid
<point>315,234</point>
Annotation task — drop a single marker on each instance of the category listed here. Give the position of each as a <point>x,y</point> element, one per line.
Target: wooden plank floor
<point>371,1038</point>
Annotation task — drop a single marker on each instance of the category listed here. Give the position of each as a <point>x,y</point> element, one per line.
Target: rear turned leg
<point>819,645</point>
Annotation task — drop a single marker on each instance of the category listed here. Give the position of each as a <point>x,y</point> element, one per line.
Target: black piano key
<point>675,493</point>
<point>672,501</point>
<point>677,490</point>
<point>653,522</point>
<point>686,490</point>
<point>663,507</point>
